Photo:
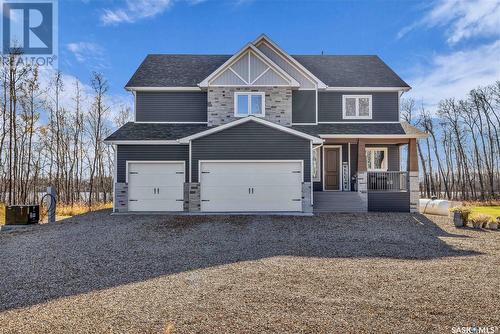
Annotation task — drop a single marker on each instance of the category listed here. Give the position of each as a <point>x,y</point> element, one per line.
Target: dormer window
<point>251,103</point>
<point>357,106</point>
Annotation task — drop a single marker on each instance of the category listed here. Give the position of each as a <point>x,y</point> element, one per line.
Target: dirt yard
<point>348,273</point>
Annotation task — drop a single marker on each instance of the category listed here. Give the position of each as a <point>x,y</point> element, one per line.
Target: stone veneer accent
<point>121,197</point>
<point>306,197</point>
<point>278,103</point>
<point>414,191</point>
<point>363,188</point>
<point>194,204</point>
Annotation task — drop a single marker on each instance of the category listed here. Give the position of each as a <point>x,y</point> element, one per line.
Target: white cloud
<point>83,51</point>
<point>135,10</point>
<point>464,19</point>
<point>455,74</point>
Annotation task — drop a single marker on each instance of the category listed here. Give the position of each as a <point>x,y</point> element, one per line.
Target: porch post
<point>362,175</point>
<point>413,175</point>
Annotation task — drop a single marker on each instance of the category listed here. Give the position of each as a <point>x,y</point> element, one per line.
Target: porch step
<point>338,201</point>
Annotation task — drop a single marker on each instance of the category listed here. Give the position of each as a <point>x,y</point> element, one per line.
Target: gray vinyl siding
<point>250,141</point>
<point>389,201</point>
<point>171,107</point>
<point>303,106</point>
<point>385,106</point>
<point>150,153</point>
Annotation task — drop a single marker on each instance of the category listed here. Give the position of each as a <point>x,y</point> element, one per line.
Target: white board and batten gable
<point>249,67</point>
<point>306,79</point>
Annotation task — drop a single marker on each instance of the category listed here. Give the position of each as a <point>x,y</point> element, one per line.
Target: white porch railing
<point>387,181</point>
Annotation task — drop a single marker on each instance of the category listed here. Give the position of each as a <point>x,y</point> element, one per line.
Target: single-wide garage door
<point>155,186</point>
<point>251,186</point>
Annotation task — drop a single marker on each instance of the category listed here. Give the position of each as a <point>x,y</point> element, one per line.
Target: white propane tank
<point>439,207</point>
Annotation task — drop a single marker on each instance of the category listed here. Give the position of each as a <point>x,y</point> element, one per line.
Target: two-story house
<point>265,131</point>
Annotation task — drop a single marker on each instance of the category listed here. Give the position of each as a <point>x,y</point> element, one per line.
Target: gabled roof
<point>335,71</point>
<point>263,38</point>
<point>351,71</point>
<point>219,128</point>
<point>162,133</point>
<point>249,48</point>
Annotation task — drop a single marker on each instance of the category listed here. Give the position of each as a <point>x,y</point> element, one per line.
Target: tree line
<point>47,140</point>
<point>460,159</point>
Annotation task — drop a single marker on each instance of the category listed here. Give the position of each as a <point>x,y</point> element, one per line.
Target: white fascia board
<point>143,142</point>
<point>315,140</point>
<point>368,89</point>
<point>259,54</point>
<point>388,136</point>
<point>290,59</point>
<point>164,89</point>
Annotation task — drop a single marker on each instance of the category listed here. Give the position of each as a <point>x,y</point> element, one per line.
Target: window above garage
<point>246,104</point>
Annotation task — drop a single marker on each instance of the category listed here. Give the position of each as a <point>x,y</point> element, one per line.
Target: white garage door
<point>155,186</point>
<point>251,186</point>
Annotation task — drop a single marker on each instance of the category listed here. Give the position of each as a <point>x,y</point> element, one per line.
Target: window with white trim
<point>376,159</point>
<point>357,106</point>
<point>316,164</point>
<point>251,103</point>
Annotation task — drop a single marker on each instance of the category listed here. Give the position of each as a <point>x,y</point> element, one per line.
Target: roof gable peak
<point>249,67</point>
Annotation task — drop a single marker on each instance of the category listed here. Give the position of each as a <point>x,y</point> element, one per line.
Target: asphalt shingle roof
<point>155,131</point>
<point>163,131</point>
<point>335,71</point>
<point>352,129</point>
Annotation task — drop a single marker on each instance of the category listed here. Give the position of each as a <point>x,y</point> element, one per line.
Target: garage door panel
<point>155,179</point>
<point>221,179</point>
<point>155,205</point>
<point>154,186</point>
<point>274,186</point>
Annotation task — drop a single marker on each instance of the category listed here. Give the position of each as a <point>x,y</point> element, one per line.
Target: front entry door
<point>332,168</point>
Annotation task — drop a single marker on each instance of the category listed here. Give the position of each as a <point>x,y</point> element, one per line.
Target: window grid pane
<point>364,106</point>
<point>256,104</point>
<point>350,106</point>
<point>242,104</point>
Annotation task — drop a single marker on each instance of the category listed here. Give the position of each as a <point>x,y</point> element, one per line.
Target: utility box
<point>22,214</point>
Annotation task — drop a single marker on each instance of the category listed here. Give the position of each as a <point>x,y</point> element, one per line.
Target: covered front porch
<point>365,174</point>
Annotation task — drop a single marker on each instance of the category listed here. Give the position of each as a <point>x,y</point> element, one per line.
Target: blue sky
<point>441,48</point>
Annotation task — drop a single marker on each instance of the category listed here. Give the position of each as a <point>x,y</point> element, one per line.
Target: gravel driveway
<point>333,272</point>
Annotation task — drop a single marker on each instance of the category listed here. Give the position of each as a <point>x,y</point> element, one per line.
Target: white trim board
<point>143,122</point>
<point>164,89</point>
<point>388,136</point>
<point>144,142</point>
<point>368,89</point>
<point>315,140</point>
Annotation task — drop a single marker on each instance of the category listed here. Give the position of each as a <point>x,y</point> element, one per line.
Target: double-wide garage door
<point>230,186</point>
<point>156,186</point>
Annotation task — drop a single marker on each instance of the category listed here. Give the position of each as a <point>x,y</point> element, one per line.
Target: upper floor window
<point>376,159</point>
<point>251,103</point>
<point>357,106</point>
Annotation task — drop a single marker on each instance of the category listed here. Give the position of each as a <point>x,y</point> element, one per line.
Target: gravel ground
<point>332,272</point>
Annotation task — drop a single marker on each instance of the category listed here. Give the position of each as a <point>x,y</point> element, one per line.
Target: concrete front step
<point>338,201</point>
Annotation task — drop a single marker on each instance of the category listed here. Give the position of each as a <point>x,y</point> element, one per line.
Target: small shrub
<point>464,212</point>
<point>480,220</point>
